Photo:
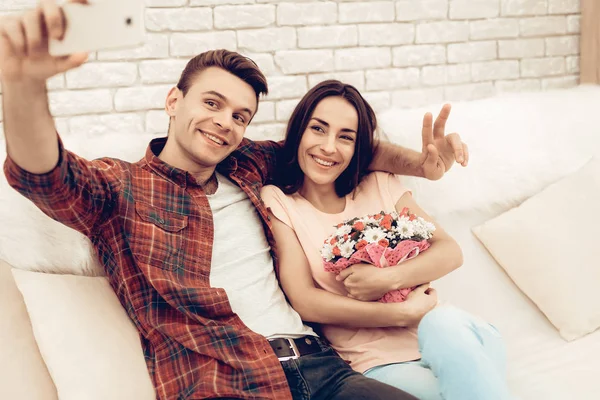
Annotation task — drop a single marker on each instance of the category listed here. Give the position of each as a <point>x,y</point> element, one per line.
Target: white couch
<point>518,143</point>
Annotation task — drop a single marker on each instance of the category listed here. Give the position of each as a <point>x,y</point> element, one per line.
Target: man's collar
<point>179,176</point>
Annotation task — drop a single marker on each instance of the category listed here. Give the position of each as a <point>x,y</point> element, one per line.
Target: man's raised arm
<point>439,151</point>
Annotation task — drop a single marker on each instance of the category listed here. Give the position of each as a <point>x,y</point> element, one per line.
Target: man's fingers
<point>466,153</point>
<point>67,63</point>
<point>54,19</point>
<point>427,131</point>
<point>12,29</point>
<point>457,147</point>
<point>32,22</point>
<point>439,128</point>
<point>432,156</point>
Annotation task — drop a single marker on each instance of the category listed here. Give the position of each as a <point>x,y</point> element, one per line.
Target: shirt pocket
<point>158,237</point>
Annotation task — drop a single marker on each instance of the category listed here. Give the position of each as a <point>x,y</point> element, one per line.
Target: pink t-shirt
<point>363,347</point>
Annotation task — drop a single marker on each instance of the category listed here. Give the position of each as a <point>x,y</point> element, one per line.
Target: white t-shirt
<point>242,265</point>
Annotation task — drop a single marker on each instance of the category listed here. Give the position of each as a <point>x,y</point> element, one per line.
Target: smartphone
<point>100,25</point>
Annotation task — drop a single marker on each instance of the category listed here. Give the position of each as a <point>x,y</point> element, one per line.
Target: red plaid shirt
<point>152,227</point>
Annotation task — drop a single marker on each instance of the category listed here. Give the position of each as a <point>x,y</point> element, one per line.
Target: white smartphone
<point>100,25</point>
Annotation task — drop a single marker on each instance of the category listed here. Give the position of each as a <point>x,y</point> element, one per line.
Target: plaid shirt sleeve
<point>77,192</point>
<point>265,155</point>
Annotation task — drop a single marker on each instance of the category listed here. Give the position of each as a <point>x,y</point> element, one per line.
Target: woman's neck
<point>323,197</point>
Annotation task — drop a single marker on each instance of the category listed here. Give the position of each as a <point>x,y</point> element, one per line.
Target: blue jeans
<point>463,358</point>
<point>325,376</point>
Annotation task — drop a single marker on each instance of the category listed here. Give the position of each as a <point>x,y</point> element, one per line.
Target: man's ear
<point>171,102</point>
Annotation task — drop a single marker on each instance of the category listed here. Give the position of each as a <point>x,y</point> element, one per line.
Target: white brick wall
<point>404,53</point>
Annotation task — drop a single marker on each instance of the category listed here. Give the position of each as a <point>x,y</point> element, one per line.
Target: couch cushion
<point>23,374</point>
<point>88,342</point>
<point>548,246</point>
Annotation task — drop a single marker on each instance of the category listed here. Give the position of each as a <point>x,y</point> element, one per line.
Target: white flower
<point>343,230</point>
<point>374,235</point>
<point>327,252</point>
<point>405,228</point>
<point>347,249</point>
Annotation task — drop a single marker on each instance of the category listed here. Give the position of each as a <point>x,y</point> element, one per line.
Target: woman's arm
<point>320,306</point>
<point>366,282</point>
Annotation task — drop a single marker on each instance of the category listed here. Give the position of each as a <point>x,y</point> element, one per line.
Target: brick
<point>286,87</point>
<point>417,97</point>
<point>442,32</point>
<point>304,61</point>
<point>574,23</point>
<point>96,125</point>
<point>493,70</point>
<point>423,10</point>
<point>542,26</point>
<point>274,131</point>
<point>266,112</point>
<point>512,8</point>
<point>564,7</point>
<point>17,5</point>
<point>474,9</point>
<point>80,102</point>
<point>354,78</point>
<point>468,92</point>
<point>236,17</point>
<point>161,71</point>
<point>538,67</point>
<point>385,34</point>
<point>57,82</point>
<point>406,56</point>
<point>379,101</point>
<point>572,64</point>
<point>327,37</point>
<point>141,98</point>
<point>562,82</point>
<point>498,28</point>
<point>102,75</point>
<point>521,85</point>
<point>179,19</point>
<point>265,62</point>
<point>165,3</point>
<point>284,109</point>
<point>195,3</point>
<point>473,51</point>
<point>155,46</point>
<point>372,11</point>
<point>264,40</point>
<point>562,45</point>
<point>521,48</point>
<point>439,75</point>
<point>307,14</point>
<point>157,122</point>
<point>192,44</point>
<point>395,78</point>
<point>362,58</point>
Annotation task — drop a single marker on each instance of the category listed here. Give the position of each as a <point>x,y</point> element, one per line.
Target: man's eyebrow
<point>220,96</point>
<point>327,125</point>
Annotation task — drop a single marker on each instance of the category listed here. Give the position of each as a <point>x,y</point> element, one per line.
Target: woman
<point>430,351</point>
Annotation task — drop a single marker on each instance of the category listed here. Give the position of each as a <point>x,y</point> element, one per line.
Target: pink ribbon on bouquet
<point>382,257</point>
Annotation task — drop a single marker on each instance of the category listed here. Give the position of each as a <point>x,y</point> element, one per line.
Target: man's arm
<point>68,188</point>
<point>439,151</point>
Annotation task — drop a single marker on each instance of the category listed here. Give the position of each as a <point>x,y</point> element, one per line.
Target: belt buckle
<point>294,350</point>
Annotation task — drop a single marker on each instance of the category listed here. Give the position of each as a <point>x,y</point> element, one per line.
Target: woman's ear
<point>171,102</point>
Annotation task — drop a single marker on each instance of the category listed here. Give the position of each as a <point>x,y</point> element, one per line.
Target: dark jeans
<point>324,376</point>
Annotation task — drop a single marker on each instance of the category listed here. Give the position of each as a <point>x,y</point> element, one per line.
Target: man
<point>181,233</point>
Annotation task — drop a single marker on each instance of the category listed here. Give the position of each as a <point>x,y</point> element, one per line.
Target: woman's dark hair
<point>290,176</point>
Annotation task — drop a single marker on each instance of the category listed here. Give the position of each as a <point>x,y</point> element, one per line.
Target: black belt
<point>291,349</point>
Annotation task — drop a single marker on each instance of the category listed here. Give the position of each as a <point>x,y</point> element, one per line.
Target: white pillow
<point>518,143</point>
<point>89,344</point>
<point>549,247</point>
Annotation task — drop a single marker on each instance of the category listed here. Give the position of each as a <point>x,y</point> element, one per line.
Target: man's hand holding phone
<point>24,43</point>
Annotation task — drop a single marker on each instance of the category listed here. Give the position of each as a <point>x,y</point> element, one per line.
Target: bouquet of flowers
<point>383,240</point>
